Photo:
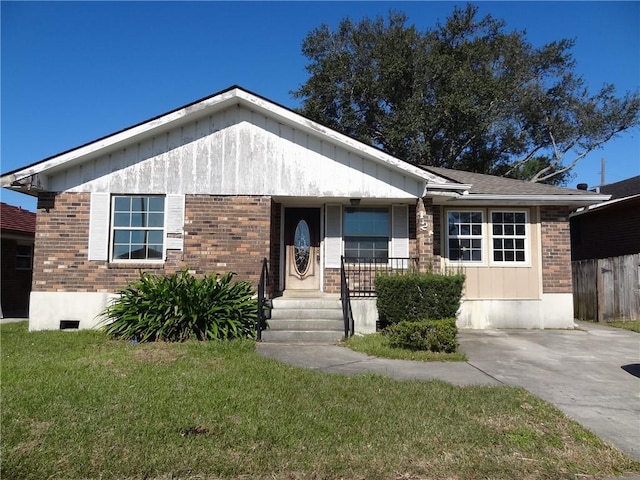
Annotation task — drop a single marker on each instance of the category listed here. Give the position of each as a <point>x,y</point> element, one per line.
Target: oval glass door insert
<point>302,247</point>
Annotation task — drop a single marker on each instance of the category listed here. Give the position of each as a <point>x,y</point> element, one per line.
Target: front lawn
<point>76,405</point>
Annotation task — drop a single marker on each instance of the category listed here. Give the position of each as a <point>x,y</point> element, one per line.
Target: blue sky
<point>72,72</point>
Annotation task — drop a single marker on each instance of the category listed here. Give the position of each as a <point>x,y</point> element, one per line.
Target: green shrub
<point>417,296</point>
<point>430,335</point>
<point>180,307</point>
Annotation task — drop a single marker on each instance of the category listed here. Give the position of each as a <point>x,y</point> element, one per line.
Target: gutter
<point>589,208</point>
<point>492,199</point>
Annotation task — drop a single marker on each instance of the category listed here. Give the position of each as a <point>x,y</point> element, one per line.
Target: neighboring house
<point>220,184</point>
<point>605,254</point>
<point>608,229</point>
<point>17,232</point>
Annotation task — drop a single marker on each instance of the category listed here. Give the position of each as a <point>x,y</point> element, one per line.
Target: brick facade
<point>222,233</point>
<point>428,235</point>
<point>556,249</point>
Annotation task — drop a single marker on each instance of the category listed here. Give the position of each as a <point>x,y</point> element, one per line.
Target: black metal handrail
<point>263,302</point>
<point>361,272</point>
<point>345,299</point>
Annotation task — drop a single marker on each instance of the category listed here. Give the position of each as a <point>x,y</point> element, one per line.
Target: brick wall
<point>556,250</point>
<point>274,259</point>
<point>221,234</point>
<point>428,235</point>
<point>332,280</point>
<point>227,233</point>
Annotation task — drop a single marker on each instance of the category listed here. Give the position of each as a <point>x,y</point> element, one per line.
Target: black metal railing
<point>361,273</point>
<point>264,304</point>
<point>345,299</point>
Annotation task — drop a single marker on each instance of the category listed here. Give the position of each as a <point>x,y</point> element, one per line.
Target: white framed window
<point>366,233</point>
<point>137,228</point>
<point>488,237</point>
<point>465,231</point>
<point>509,232</point>
<point>24,257</point>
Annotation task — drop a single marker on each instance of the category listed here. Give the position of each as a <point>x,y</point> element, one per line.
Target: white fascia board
<point>446,189</point>
<point>486,199</point>
<point>589,208</point>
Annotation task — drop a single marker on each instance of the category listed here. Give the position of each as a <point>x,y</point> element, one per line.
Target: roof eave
<point>602,205</point>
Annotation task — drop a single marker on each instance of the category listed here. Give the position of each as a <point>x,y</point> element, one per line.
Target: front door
<point>302,248</point>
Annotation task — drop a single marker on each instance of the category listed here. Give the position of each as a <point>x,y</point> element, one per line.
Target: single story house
<point>17,234</point>
<point>221,183</point>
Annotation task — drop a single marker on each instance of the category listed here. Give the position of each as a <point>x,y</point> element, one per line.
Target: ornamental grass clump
<point>182,307</point>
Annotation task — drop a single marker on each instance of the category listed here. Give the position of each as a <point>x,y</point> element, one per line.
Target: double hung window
<point>366,233</point>
<point>509,231</point>
<point>138,227</point>
<point>500,235</point>
<point>465,236</point>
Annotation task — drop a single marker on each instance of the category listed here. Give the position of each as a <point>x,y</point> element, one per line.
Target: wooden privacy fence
<point>607,289</point>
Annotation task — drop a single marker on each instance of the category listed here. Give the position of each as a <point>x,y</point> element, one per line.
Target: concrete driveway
<point>592,374</point>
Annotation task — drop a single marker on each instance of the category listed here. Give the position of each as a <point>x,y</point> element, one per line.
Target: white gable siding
<point>238,152</point>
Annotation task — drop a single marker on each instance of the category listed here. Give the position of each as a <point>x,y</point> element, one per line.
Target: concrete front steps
<point>302,317</point>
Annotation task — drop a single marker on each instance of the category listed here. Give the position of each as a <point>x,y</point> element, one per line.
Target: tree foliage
<point>467,94</point>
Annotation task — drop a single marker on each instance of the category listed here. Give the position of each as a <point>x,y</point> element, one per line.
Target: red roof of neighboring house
<point>17,219</point>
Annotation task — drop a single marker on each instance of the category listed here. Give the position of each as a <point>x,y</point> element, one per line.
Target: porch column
<point>428,235</point>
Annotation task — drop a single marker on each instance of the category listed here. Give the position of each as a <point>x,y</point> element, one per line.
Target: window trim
<point>113,228</point>
<point>526,238</point>
<point>483,247</point>
<point>487,238</point>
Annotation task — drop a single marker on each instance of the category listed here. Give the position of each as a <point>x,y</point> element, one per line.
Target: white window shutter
<point>400,232</point>
<point>175,222</point>
<point>99,226</point>
<point>333,236</point>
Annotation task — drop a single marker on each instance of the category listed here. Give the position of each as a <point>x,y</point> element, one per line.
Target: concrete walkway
<point>592,373</point>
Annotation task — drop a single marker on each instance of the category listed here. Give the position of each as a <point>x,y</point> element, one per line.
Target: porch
<point>315,317</point>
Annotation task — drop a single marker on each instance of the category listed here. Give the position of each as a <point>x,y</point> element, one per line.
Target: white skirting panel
<point>365,315</point>
<point>47,309</point>
<point>554,310</point>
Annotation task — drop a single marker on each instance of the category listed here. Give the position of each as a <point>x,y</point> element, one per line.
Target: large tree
<point>466,94</point>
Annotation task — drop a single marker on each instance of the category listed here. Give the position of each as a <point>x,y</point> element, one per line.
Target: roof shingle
<point>623,188</point>
<point>491,185</point>
<point>16,219</point>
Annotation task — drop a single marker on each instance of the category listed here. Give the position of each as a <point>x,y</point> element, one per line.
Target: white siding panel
<point>333,236</point>
<point>400,231</point>
<point>238,152</point>
<point>99,226</point>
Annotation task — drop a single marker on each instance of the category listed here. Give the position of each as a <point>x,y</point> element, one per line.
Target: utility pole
<point>602,171</point>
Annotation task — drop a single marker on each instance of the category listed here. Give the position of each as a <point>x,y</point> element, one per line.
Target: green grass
<point>377,345</point>
<point>76,405</point>
<point>633,325</point>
